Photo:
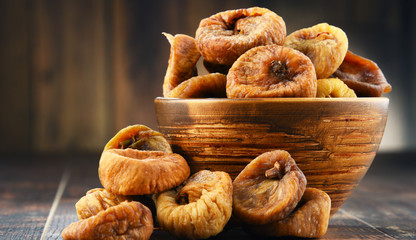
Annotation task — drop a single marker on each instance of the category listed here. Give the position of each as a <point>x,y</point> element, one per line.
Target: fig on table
<point>127,220</point>
<point>139,137</point>
<point>197,209</point>
<point>309,219</point>
<point>134,172</point>
<point>97,200</point>
<point>268,188</point>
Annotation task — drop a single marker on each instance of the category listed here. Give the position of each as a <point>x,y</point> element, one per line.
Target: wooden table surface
<point>37,197</point>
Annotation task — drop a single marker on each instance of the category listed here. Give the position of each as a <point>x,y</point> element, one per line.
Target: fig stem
<point>138,144</point>
<point>274,172</point>
<point>124,144</point>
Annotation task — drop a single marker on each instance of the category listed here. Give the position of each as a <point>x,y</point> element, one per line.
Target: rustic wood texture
<point>27,190</point>
<point>71,69</point>
<point>69,79</point>
<point>333,141</point>
<point>15,92</point>
<point>394,196</point>
<point>72,73</point>
<point>382,207</point>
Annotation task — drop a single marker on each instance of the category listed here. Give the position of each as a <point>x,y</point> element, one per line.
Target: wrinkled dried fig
<point>128,220</point>
<point>134,172</point>
<point>271,71</point>
<point>198,209</point>
<point>333,87</point>
<point>182,61</point>
<point>223,37</point>
<point>309,219</point>
<point>210,85</point>
<point>324,44</point>
<point>96,200</point>
<point>139,137</point>
<point>363,76</point>
<point>268,188</point>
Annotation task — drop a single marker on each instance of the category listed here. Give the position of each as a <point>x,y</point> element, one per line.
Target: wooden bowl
<point>333,140</point>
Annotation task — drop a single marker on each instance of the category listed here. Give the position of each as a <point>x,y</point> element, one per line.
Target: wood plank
<point>14,77</point>
<point>138,76</point>
<point>83,176</point>
<point>27,188</point>
<point>70,80</point>
<point>386,197</point>
<point>47,64</point>
<point>342,226</point>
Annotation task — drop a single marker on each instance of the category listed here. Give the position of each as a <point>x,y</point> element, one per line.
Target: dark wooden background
<point>72,73</point>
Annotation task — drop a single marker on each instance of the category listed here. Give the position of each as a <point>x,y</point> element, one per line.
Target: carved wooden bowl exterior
<point>333,140</point>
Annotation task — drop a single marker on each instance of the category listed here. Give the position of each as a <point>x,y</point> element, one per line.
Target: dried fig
<point>363,76</point>
<point>182,61</point>
<point>96,200</point>
<point>139,137</point>
<point>223,37</point>
<point>128,220</point>
<point>210,85</point>
<point>134,172</point>
<point>216,68</point>
<point>309,219</point>
<point>333,87</point>
<point>199,208</point>
<point>268,188</point>
<point>324,44</point>
<point>271,71</point>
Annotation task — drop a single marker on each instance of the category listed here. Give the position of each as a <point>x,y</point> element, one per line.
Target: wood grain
<point>69,78</point>
<point>140,54</point>
<point>15,107</point>
<point>394,196</point>
<point>333,141</point>
<point>26,195</point>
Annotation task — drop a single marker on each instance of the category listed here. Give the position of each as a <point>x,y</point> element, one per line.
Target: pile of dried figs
<point>140,173</point>
<point>248,55</point>
<point>138,164</point>
<point>270,198</point>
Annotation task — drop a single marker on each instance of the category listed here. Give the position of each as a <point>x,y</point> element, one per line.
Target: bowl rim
<point>265,100</point>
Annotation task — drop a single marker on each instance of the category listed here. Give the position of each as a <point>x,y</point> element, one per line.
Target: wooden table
<point>37,197</point>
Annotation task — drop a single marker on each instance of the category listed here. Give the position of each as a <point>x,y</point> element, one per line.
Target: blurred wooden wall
<point>75,72</point>
<point>72,73</point>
